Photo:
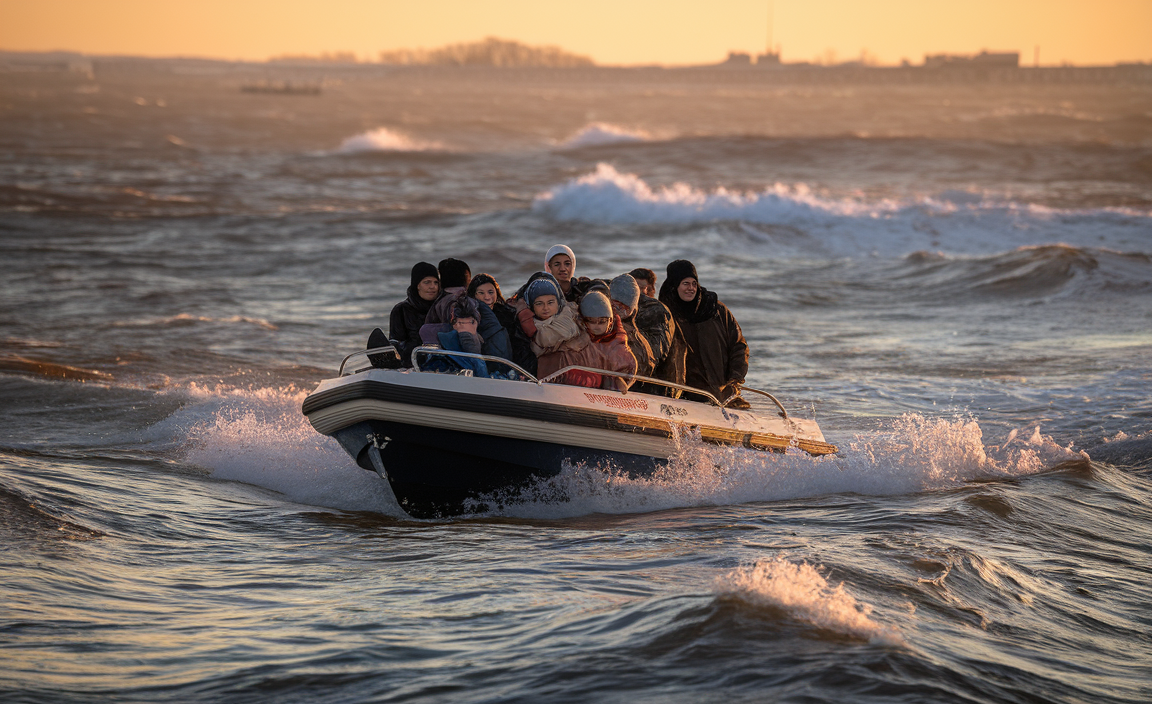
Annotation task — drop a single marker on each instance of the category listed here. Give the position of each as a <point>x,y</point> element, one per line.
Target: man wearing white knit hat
<point>561,263</point>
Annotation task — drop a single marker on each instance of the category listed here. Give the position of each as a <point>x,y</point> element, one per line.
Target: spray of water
<point>804,594</point>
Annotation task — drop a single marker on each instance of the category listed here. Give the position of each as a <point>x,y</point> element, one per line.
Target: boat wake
<point>912,454</point>
<point>258,436</point>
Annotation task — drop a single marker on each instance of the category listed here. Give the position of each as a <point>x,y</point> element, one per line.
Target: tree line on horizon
<point>490,51</point>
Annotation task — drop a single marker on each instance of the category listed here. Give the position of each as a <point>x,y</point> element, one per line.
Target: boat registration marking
<point>617,402</point>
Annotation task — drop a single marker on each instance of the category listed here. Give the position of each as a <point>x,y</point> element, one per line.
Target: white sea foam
<point>801,591</point>
<point>964,222</point>
<point>259,436</point>
<point>383,139</point>
<point>912,454</point>
<point>597,134</point>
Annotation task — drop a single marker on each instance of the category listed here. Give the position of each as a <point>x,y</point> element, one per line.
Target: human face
<point>562,268</point>
<point>428,288</point>
<point>546,306</point>
<point>647,288</point>
<point>487,294</point>
<point>597,326</point>
<point>687,289</point>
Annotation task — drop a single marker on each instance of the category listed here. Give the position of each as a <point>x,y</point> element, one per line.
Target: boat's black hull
<point>435,472</point>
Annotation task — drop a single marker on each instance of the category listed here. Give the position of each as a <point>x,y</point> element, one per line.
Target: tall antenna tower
<point>771,9</point>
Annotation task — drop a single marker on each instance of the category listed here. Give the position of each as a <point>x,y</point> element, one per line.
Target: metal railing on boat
<point>366,355</point>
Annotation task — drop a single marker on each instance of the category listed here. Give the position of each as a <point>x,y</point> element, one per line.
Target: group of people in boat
<point>683,335</point>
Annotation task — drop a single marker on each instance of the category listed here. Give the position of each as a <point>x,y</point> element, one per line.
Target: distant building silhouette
<point>985,59</point>
<point>737,59</point>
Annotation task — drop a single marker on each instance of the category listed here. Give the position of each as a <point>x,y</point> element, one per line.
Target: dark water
<point>956,282</point>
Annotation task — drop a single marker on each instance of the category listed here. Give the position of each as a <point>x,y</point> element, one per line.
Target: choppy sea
<point>954,281</point>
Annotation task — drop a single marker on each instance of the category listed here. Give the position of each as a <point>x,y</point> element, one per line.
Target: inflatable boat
<point>449,442</point>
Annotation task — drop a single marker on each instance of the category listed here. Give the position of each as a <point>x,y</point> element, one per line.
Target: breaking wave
<point>383,139</point>
<point>598,134</point>
<point>802,592</point>
<point>606,195</point>
<point>959,220</point>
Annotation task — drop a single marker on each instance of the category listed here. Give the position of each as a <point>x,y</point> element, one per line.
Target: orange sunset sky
<point>669,32</point>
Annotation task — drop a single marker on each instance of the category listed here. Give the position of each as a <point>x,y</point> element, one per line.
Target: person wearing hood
<point>609,341</point>
<point>560,261</point>
<point>455,275</point>
<point>408,315</point>
<point>717,358</point>
<point>485,289</point>
<point>557,337</point>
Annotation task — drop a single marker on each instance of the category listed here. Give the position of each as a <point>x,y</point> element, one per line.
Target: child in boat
<point>485,289</point>
<point>462,338</point>
<point>609,340</point>
<point>558,338</point>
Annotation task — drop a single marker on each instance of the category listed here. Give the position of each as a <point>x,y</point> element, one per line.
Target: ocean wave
<point>383,139</point>
<point>18,364</point>
<point>189,319</point>
<point>802,592</point>
<point>608,196</point>
<point>913,454</point>
<point>1026,272</point>
<point>597,134</point>
<point>809,221</point>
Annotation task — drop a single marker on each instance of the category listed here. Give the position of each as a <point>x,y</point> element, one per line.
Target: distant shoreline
<point>783,73</point>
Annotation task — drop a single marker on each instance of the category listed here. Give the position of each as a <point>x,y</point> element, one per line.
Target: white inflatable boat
<point>446,441</point>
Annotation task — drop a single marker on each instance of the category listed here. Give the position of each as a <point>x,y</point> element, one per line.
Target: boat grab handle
<point>783,413</point>
<point>632,377</point>
<point>472,355</point>
<point>364,354</point>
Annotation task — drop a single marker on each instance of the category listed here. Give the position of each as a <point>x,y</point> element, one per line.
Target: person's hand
<point>527,321</point>
<point>463,325</point>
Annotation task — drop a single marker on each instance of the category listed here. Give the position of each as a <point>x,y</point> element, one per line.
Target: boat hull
<point>437,473</point>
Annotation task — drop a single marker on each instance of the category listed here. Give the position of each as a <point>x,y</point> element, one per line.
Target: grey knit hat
<point>625,289</point>
<point>595,305</point>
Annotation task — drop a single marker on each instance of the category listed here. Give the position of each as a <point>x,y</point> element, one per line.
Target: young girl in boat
<point>557,337</point>
<point>485,289</point>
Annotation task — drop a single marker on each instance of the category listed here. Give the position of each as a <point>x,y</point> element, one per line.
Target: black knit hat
<point>679,270</point>
<point>423,270</point>
<point>453,273</point>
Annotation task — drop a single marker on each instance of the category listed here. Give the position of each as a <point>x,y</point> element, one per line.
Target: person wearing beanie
<point>486,290</point>
<point>455,275</point>
<point>609,341</point>
<point>717,358</point>
<point>625,297</point>
<point>654,322</point>
<point>560,261</point>
<point>408,315</point>
<point>556,336</point>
